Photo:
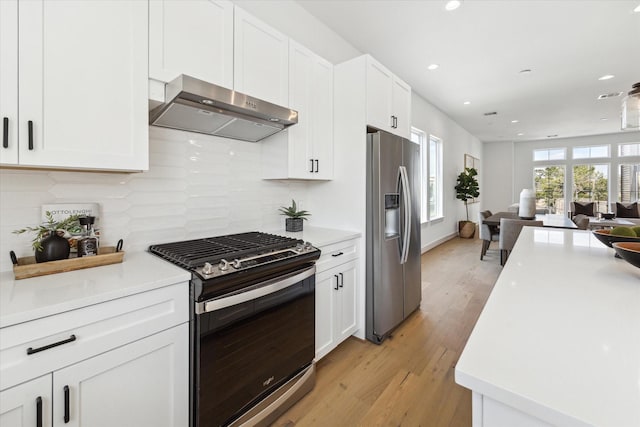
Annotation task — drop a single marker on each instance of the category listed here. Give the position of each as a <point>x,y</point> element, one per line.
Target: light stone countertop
<point>319,236</point>
<point>559,337</point>
<point>33,298</point>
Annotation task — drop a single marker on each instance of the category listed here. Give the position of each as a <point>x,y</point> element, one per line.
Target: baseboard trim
<point>438,242</point>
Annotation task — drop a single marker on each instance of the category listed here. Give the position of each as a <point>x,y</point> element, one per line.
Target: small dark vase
<point>54,247</point>
<point>293,224</point>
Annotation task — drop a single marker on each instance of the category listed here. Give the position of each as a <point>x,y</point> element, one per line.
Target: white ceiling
<point>481,48</point>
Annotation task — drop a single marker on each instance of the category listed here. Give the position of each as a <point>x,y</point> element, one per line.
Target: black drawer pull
<point>311,160</point>
<point>317,165</point>
<point>341,280</point>
<point>5,132</point>
<point>32,350</point>
<point>337,281</point>
<point>30,135</point>
<point>338,254</point>
<point>66,404</point>
<point>39,411</point>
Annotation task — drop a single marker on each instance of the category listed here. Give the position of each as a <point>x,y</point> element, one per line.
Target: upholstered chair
<point>488,234</point>
<point>509,232</point>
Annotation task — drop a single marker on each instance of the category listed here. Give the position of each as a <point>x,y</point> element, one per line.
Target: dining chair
<point>581,221</point>
<point>488,234</point>
<point>509,232</point>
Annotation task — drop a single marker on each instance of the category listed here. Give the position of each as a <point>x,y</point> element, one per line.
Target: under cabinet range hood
<point>197,106</point>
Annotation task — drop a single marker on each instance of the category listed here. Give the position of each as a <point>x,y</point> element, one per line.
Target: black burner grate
<point>191,254</point>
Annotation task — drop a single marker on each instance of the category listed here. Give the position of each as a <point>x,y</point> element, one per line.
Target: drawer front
<point>66,338</point>
<point>336,254</point>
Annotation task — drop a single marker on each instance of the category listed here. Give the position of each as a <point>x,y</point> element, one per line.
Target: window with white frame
<point>628,150</point>
<point>545,154</point>
<point>548,182</point>
<point>629,183</point>
<point>591,184</point>
<point>430,173</point>
<point>592,152</point>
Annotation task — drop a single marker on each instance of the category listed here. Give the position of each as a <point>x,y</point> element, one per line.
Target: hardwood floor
<point>409,379</point>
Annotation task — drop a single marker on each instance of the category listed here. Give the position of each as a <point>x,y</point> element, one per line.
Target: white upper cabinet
<point>9,81</point>
<point>261,59</point>
<point>193,37</point>
<point>305,150</point>
<point>388,100</point>
<point>82,84</point>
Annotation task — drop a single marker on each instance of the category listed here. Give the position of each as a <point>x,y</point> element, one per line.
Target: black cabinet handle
<point>338,254</point>
<point>32,350</point>
<point>5,132</point>
<point>317,165</point>
<point>311,160</point>
<point>30,135</point>
<point>341,280</point>
<point>39,411</point>
<point>337,281</point>
<point>66,404</point>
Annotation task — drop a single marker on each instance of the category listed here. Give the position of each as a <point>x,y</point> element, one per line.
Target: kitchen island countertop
<point>559,337</point>
<point>36,297</point>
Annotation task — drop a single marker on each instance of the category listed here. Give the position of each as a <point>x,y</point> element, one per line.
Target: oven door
<point>249,343</point>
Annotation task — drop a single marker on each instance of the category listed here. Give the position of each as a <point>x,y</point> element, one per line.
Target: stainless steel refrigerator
<point>393,282</point>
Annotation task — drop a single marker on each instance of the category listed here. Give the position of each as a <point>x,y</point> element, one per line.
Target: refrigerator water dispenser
<point>391,216</point>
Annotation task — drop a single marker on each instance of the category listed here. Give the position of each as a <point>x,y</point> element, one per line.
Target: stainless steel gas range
<point>252,325</point>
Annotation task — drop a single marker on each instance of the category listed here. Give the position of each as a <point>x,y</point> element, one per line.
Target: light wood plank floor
<point>409,379</point>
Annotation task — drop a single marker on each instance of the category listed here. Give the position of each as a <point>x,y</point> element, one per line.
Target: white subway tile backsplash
<point>196,186</point>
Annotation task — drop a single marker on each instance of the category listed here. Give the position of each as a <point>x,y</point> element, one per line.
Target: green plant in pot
<point>49,243</point>
<point>467,188</point>
<point>294,216</point>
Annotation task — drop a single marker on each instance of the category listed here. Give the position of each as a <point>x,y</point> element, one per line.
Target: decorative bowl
<point>605,237</point>
<point>608,215</point>
<point>629,251</point>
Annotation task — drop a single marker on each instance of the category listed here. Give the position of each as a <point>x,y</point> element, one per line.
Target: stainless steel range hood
<point>197,106</point>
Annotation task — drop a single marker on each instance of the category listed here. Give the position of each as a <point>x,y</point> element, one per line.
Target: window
<point>549,154</point>
<point>629,183</point>
<point>591,184</point>
<point>625,150</point>
<point>591,152</point>
<point>430,173</point>
<point>548,182</point>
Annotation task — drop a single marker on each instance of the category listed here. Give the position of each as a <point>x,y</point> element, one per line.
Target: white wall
<point>512,162</point>
<point>456,143</point>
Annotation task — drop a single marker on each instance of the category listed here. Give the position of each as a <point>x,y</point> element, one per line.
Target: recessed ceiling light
<point>452,5</point>
<point>520,134</point>
<point>525,71</point>
<point>515,121</point>
<point>637,9</point>
<point>467,102</point>
<point>606,77</point>
<point>433,67</point>
<point>604,119</point>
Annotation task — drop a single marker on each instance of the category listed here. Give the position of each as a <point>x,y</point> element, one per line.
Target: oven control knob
<point>208,268</point>
<point>299,247</point>
<point>224,265</point>
<point>236,263</point>
<point>308,246</point>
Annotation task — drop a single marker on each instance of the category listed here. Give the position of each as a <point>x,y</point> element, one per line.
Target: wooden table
<point>548,220</point>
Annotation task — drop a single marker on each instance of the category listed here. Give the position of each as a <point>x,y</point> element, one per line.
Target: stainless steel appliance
<point>393,277</point>
<point>198,106</point>
<point>252,325</point>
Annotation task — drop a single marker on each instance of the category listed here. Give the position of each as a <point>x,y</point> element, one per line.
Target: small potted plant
<point>49,243</point>
<point>294,216</point>
<point>467,188</point>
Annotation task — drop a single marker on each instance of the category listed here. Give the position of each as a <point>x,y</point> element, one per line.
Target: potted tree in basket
<point>294,217</point>
<point>467,188</point>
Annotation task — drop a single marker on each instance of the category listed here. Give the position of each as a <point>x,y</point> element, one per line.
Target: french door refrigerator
<point>393,282</point>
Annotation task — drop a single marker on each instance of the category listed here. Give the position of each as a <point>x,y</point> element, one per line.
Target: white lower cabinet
<point>336,296</point>
<point>27,404</point>
<point>123,362</point>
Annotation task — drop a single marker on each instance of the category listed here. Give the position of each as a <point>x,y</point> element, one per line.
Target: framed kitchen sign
<point>472,162</point>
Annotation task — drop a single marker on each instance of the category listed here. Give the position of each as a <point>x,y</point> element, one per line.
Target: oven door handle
<point>259,290</point>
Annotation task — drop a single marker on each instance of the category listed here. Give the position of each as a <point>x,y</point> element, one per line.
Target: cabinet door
<point>9,81</point>
<point>300,144</point>
<point>83,83</point>
<point>322,118</point>
<point>402,108</point>
<point>261,59</point>
<point>145,383</point>
<point>379,87</point>
<point>26,404</point>
<point>326,294</point>
<point>193,37</point>
<point>347,294</point>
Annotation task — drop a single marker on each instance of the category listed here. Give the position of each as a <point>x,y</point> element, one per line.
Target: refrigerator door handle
<point>406,198</point>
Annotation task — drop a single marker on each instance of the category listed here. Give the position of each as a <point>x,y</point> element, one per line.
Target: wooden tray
<point>28,267</point>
